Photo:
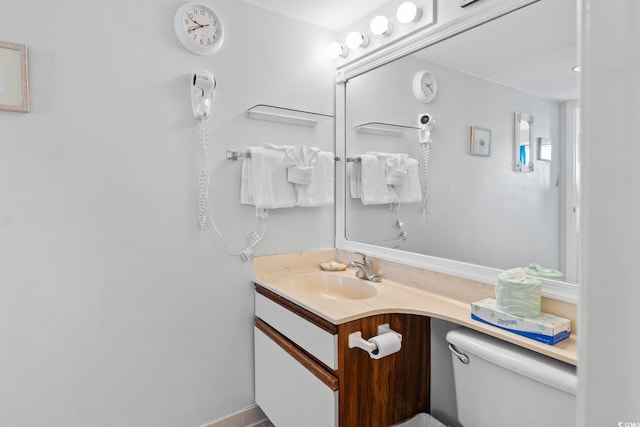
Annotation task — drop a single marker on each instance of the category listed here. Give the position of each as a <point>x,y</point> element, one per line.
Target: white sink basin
<point>335,286</point>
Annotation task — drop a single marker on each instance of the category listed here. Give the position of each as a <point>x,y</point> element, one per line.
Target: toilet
<point>499,384</point>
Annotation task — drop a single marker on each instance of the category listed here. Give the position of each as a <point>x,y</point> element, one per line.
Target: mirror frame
<point>562,291</point>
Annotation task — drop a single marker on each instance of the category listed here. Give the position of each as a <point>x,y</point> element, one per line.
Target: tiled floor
<point>249,417</point>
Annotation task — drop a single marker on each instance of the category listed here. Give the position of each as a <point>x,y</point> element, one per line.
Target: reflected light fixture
<point>335,50</point>
<point>356,39</point>
<point>576,68</point>
<point>380,25</point>
<point>408,12</point>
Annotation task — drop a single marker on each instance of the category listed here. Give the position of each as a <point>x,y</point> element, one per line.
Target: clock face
<point>199,28</point>
<point>424,86</point>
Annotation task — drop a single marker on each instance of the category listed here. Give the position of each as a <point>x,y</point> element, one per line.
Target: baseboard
<point>248,417</point>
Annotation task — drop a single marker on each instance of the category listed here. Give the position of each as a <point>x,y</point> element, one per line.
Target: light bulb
<point>335,49</point>
<point>380,25</point>
<point>408,12</point>
<point>356,40</point>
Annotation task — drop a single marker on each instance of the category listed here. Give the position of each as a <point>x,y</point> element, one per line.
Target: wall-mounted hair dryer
<point>426,122</point>
<point>203,86</point>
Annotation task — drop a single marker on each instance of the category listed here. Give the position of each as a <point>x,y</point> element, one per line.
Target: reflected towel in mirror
<point>374,189</point>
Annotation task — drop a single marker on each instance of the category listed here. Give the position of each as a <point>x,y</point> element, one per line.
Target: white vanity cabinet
<point>291,384</point>
<point>306,374</point>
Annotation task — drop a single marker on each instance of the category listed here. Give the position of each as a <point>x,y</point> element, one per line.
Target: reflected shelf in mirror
<point>386,129</point>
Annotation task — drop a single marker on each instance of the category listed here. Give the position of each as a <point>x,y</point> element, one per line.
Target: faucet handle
<point>366,259</point>
<point>364,256</point>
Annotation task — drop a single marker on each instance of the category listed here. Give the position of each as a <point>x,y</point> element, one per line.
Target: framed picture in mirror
<point>14,84</point>
<point>480,141</point>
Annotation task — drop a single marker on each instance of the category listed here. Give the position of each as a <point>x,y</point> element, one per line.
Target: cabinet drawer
<point>287,392</point>
<point>315,340</point>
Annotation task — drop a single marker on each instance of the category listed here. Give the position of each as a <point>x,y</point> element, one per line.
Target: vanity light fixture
<point>356,39</point>
<point>335,50</point>
<point>408,12</point>
<point>380,25</point>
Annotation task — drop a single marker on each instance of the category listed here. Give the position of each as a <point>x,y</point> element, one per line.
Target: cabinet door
<point>384,392</point>
<point>289,393</point>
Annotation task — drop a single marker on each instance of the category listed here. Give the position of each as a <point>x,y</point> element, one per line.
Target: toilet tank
<point>504,385</point>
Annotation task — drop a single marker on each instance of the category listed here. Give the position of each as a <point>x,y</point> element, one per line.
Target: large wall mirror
<point>479,209</point>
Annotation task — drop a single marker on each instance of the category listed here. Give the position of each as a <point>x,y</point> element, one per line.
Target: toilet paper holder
<point>356,340</point>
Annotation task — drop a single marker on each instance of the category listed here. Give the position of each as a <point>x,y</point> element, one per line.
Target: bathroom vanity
<point>342,386</point>
<point>305,371</point>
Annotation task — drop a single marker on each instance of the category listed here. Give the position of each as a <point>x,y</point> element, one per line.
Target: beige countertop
<point>280,273</point>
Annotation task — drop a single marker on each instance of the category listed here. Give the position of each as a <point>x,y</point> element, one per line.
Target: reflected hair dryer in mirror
<point>426,122</point>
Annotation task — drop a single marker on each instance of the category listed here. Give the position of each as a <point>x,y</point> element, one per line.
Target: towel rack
<point>234,155</point>
<point>354,159</point>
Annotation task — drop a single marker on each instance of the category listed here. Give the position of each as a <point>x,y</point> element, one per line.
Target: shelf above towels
<point>387,129</point>
<point>290,116</point>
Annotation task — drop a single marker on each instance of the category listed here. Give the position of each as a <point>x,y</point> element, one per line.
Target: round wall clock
<point>198,28</point>
<point>425,86</point>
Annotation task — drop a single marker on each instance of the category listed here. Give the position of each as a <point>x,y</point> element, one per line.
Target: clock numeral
<point>201,41</point>
<point>202,12</point>
<point>190,16</point>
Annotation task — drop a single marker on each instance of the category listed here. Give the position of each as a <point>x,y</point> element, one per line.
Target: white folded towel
<point>410,191</point>
<point>264,181</point>
<point>355,179</point>
<point>396,168</point>
<point>375,190</point>
<point>300,160</point>
<point>320,191</point>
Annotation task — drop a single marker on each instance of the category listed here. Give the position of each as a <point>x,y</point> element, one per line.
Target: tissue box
<point>545,328</point>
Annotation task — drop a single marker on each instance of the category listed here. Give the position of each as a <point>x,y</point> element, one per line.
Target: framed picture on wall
<point>480,141</point>
<point>14,81</point>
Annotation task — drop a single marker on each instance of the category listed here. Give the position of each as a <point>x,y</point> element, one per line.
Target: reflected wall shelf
<point>379,128</point>
<point>290,116</point>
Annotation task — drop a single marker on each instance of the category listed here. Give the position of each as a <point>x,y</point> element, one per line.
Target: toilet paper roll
<point>387,343</point>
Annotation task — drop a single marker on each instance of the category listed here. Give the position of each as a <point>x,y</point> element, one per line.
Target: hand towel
<point>375,190</point>
<point>266,175</point>
<point>246,194</point>
<point>355,179</point>
<point>320,191</point>
<point>410,190</point>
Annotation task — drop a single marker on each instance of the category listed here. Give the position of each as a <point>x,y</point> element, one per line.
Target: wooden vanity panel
<point>380,393</point>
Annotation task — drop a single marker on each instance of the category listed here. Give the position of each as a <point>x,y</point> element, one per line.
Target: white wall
<point>480,210</point>
<point>115,309</point>
<point>609,376</point>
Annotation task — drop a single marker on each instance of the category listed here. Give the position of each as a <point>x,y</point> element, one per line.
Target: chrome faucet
<point>365,269</point>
